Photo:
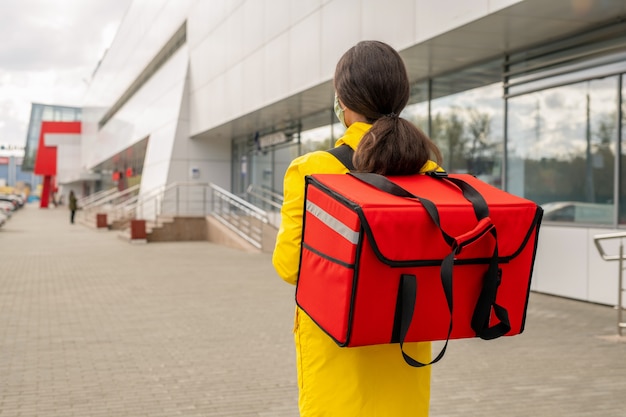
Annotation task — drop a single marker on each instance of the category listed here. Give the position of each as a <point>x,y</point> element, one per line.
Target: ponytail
<point>395,146</point>
<point>372,81</point>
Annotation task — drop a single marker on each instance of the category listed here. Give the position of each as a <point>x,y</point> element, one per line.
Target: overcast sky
<point>48,52</point>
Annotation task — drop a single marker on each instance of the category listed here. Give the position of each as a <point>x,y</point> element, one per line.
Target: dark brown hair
<point>371,79</point>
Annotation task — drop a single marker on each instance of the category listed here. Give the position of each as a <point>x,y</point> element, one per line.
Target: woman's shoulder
<point>318,162</point>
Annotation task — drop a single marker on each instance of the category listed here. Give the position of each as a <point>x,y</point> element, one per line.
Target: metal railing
<point>85,201</point>
<point>190,199</point>
<point>106,202</point>
<point>263,197</point>
<point>240,216</point>
<point>112,197</point>
<point>266,199</point>
<point>621,325</point>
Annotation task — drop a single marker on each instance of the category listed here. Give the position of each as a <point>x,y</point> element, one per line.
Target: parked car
<point>578,212</point>
<point>17,201</point>
<point>7,208</point>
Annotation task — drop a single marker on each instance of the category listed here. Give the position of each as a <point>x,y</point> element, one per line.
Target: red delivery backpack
<point>416,258</point>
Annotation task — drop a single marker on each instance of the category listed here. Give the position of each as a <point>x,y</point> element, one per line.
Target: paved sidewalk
<point>91,325</point>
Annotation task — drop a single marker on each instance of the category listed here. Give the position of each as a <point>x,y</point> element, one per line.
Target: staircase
<point>189,212</point>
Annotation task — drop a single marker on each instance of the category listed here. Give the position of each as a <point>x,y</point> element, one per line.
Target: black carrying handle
<point>491,280</point>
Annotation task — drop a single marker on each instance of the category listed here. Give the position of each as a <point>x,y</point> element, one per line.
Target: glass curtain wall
<point>546,124</point>
<point>44,113</point>
<point>468,128</point>
<point>562,144</point>
<point>265,168</point>
<point>621,139</point>
<point>417,111</point>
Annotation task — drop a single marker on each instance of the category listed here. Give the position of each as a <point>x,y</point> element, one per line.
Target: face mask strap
<point>339,112</point>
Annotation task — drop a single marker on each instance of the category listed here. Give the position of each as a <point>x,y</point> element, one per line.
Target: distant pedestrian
<point>73,204</point>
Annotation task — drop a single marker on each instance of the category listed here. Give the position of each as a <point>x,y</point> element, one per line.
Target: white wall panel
<point>215,172</point>
<point>233,93</point>
<point>234,30</point>
<point>437,17</point>
<point>68,155</point>
<point>277,18</point>
<point>277,68</point>
<point>253,27</point>
<point>300,9</point>
<point>211,150</point>
<point>202,108</point>
<point>206,15</point>
<point>215,93</point>
<point>208,60</point>
<point>301,42</point>
<point>561,263</point>
<point>495,5</point>
<point>202,155</point>
<point>143,32</point>
<point>394,25</point>
<point>304,53</point>
<point>338,34</point>
<point>156,167</point>
<point>155,104</point>
<point>253,82</point>
<point>218,54</point>
<point>602,275</point>
<point>568,264</point>
<point>154,176</point>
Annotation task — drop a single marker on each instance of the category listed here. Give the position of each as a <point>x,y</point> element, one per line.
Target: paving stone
<point>91,325</point>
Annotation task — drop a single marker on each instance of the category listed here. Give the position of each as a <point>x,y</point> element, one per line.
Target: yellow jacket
<point>370,381</point>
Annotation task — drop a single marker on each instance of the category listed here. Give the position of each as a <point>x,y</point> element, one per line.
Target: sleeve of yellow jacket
<point>286,257</point>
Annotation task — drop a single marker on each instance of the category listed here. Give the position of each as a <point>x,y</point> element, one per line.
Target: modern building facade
<point>52,150</point>
<point>526,94</point>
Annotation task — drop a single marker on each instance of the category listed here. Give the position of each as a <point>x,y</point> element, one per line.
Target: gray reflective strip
<point>323,216</point>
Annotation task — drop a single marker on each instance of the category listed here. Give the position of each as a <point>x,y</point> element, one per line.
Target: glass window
<point>317,139</point>
<point>260,168</point>
<point>561,150</point>
<point>622,182</point>
<point>239,166</point>
<point>468,128</point>
<point>417,114</point>
<point>417,109</point>
<point>282,158</point>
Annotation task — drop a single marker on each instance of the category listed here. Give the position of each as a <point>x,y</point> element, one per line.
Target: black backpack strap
<point>344,153</point>
<point>491,280</point>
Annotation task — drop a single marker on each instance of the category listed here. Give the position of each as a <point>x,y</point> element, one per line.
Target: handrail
<point>240,216</point>
<point>621,324</point>
<point>174,199</point>
<point>95,196</point>
<point>239,200</point>
<point>110,198</point>
<point>266,190</point>
<point>251,191</point>
<point>195,199</point>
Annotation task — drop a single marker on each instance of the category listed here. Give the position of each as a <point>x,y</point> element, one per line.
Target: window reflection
<point>468,129</point>
<point>418,115</point>
<point>561,150</point>
<point>318,139</point>
<point>622,182</point>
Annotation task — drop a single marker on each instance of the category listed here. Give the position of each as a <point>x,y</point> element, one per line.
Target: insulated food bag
<point>416,258</point>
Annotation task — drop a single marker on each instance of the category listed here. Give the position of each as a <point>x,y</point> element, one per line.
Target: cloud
<point>42,35</point>
<point>49,49</point>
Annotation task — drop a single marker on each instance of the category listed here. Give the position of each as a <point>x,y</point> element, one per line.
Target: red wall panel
<point>46,160</point>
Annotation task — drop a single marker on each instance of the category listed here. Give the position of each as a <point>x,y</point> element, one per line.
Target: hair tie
<point>392,115</point>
